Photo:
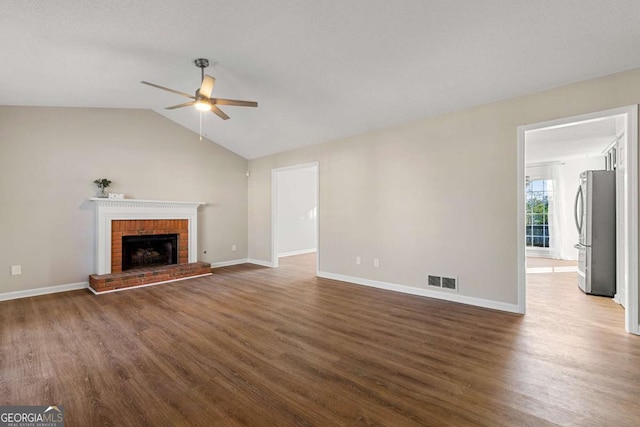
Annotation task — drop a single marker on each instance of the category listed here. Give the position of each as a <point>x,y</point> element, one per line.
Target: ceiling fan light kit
<point>202,105</point>
<point>202,99</point>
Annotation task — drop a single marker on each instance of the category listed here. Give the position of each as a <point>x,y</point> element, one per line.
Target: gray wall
<point>434,196</point>
<point>49,158</point>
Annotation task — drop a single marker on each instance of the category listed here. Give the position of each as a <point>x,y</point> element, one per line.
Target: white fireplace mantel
<point>108,210</point>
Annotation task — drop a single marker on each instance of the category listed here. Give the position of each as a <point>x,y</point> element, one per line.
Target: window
<point>537,210</point>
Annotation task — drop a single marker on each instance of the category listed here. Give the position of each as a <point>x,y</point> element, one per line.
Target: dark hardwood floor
<point>274,347</point>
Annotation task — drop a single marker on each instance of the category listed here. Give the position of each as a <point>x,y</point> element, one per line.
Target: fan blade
<point>222,101</point>
<point>186,104</point>
<point>219,112</point>
<point>207,86</point>
<point>168,90</point>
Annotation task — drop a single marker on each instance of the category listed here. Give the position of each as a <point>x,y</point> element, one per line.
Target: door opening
<point>606,141</point>
<point>294,222</point>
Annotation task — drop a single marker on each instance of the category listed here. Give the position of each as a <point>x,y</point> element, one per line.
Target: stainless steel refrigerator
<point>595,216</point>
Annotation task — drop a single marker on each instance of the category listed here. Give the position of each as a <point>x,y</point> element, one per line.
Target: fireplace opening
<point>149,251</point>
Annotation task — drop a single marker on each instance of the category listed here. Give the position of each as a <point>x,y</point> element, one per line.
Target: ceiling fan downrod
<point>201,63</point>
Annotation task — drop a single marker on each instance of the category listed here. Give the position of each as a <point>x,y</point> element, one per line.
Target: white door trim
<point>520,223</point>
<point>632,321</point>
<point>274,209</point>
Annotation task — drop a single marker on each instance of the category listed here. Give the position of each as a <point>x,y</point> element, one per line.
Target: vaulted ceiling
<point>320,70</point>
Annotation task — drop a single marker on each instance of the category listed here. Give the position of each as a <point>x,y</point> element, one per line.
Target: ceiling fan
<point>202,99</point>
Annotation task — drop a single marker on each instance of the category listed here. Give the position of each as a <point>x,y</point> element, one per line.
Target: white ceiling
<point>585,139</point>
<point>320,70</point>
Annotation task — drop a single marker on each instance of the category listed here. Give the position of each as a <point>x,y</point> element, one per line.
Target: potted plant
<point>102,184</point>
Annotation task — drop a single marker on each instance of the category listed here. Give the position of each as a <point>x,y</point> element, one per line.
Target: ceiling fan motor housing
<point>202,63</point>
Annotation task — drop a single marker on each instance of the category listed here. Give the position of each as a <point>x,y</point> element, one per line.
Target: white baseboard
<point>538,253</point>
<point>453,297</point>
<point>300,252</point>
<point>557,269</point>
<point>228,263</point>
<point>43,291</point>
<point>259,262</point>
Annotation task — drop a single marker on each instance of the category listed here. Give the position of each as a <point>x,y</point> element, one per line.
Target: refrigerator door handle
<point>578,221</point>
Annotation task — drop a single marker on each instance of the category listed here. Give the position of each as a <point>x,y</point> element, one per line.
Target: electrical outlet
<point>233,248</point>
<point>16,270</point>
<point>376,262</point>
<point>358,260</point>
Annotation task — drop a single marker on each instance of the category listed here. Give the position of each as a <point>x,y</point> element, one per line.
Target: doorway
<point>549,154</point>
<point>294,217</point>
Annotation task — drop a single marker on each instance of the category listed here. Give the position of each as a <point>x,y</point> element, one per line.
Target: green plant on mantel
<point>102,183</point>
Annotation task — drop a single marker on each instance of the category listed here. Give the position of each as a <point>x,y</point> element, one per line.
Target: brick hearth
<point>147,276</point>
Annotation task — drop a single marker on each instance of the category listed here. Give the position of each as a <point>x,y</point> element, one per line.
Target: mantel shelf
<point>108,210</point>
<point>143,201</point>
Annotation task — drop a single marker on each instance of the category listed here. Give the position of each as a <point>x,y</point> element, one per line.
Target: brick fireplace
<point>148,227</point>
<point>144,222</point>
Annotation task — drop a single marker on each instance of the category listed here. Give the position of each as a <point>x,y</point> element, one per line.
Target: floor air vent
<point>450,283</point>
<point>435,281</point>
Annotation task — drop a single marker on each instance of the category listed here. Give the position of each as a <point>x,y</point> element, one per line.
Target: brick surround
<point>139,227</point>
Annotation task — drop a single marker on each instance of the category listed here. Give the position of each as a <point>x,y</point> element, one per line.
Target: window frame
<point>545,193</point>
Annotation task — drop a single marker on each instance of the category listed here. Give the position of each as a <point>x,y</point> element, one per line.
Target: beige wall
<point>434,196</point>
<point>49,158</point>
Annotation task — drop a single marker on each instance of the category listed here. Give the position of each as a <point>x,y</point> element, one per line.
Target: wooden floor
<point>549,262</point>
<point>274,347</point>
